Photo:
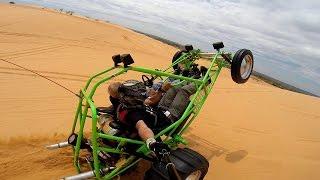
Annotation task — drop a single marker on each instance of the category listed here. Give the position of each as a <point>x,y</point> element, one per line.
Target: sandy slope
<point>251,131</point>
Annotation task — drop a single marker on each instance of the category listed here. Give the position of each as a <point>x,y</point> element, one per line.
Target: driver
<point>171,103</point>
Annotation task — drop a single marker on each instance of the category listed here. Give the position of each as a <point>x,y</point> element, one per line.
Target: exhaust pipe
<point>58,145</point>
<point>86,175</point>
<point>72,140</point>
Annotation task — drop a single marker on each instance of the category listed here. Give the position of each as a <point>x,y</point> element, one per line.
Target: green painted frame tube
<point>115,138</point>
<point>83,116</point>
<point>131,161</point>
<point>160,73</point>
<point>79,139</point>
<point>97,75</point>
<point>79,108</point>
<point>191,104</point>
<point>94,135</point>
<point>111,150</point>
<point>205,80</point>
<point>94,88</point>
<point>202,102</point>
<point>181,58</point>
<point>193,108</point>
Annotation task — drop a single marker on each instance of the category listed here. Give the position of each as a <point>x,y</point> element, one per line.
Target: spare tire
<point>189,164</point>
<point>176,56</point>
<point>242,66</point>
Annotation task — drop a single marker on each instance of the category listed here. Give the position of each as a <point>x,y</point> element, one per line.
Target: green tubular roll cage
<point>172,135</point>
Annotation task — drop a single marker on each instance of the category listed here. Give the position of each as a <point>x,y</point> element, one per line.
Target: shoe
<point>153,99</point>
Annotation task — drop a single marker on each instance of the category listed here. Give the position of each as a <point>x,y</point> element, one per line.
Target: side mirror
<point>188,47</point>
<point>116,59</point>
<point>126,59</point>
<point>218,45</point>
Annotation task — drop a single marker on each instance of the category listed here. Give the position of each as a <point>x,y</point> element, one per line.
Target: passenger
<point>171,102</point>
<point>175,101</point>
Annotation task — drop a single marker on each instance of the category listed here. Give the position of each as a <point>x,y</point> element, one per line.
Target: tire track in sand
<point>46,72</point>
<point>52,77</point>
<point>61,76</point>
<point>32,51</point>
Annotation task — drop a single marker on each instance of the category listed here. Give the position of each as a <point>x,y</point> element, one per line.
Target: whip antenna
<point>41,76</point>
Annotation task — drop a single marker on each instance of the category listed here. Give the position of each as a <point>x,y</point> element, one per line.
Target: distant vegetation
<point>67,12</point>
<point>70,12</point>
<point>281,84</point>
<point>11,2</point>
<point>166,41</point>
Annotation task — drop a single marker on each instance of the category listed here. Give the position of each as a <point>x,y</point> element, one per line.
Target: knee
<point>188,89</point>
<point>143,130</point>
<point>113,89</point>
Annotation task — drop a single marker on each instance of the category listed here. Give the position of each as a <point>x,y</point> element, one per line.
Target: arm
<point>156,95</point>
<point>147,135</point>
<point>144,131</point>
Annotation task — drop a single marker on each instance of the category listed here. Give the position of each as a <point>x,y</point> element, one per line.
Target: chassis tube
<point>209,55</point>
<point>160,73</point>
<point>87,175</point>
<point>58,145</point>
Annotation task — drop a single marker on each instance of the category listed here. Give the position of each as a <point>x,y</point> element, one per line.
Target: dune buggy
<point>178,163</point>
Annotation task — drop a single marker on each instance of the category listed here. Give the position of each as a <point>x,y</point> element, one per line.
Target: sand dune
<point>251,131</point>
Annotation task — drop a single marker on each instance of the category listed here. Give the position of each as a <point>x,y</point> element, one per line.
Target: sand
<point>250,131</point>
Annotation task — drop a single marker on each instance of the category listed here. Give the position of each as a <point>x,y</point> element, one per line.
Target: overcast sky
<point>284,35</point>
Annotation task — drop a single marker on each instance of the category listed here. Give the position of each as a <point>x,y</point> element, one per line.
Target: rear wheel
<point>242,66</point>
<point>189,164</point>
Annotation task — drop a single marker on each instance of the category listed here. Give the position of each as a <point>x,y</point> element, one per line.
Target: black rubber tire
<point>186,162</point>
<point>236,65</point>
<point>176,56</point>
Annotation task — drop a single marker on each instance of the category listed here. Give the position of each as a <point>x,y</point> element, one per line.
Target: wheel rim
<point>246,66</point>
<point>194,176</point>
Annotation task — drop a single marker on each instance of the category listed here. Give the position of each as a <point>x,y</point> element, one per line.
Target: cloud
<point>284,35</point>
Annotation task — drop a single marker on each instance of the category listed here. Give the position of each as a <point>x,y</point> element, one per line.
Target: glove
<point>186,73</point>
<point>159,148</point>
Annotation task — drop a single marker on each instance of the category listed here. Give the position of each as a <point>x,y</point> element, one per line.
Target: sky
<point>284,35</point>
